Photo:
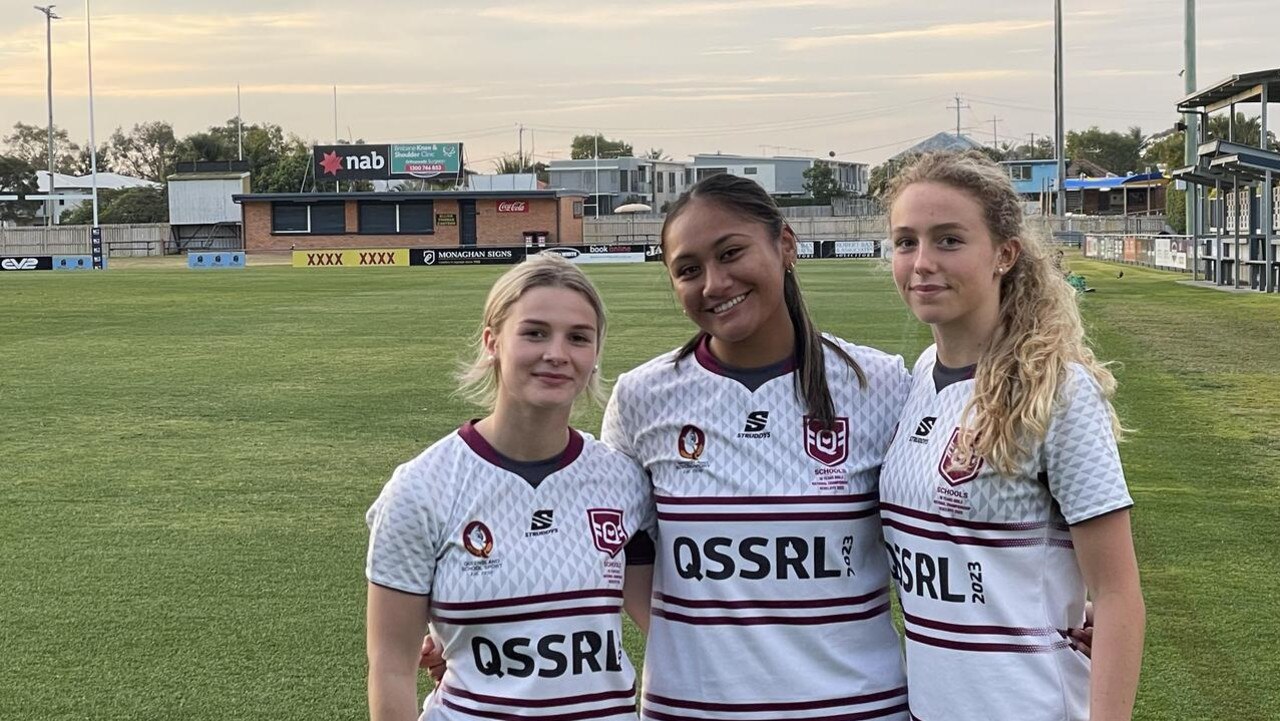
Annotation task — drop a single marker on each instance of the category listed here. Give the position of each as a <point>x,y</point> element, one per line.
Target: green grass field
<point>187,458</point>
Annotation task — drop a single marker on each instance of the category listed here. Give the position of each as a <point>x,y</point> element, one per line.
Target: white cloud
<point>952,31</point>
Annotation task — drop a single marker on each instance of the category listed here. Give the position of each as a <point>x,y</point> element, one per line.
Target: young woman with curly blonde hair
<point>1002,495</point>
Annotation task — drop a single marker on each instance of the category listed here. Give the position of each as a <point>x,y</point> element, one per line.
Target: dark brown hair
<point>746,198</point>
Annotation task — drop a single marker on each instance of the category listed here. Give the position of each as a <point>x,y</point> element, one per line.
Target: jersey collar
<point>707,360</point>
<point>481,447</point>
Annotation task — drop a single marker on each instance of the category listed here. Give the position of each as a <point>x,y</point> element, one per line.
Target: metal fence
<point>1166,252</point>
<point>117,240</point>
<point>1069,230</point>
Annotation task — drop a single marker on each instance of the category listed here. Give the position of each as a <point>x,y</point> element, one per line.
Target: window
<point>623,185</point>
<point>416,217</point>
<point>377,217</point>
<point>290,218</point>
<point>1020,172</point>
<point>708,172</point>
<point>671,180</point>
<point>658,182</point>
<point>749,170</point>
<point>577,208</point>
<point>328,218</point>
<point>410,216</point>
<point>688,176</point>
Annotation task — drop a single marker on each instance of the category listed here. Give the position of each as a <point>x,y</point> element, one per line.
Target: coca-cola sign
<point>513,206</point>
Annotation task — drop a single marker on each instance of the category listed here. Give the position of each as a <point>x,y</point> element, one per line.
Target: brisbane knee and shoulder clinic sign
<point>387,162</point>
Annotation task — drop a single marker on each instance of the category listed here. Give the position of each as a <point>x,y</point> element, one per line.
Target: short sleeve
<point>615,429</point>
<point>1081,460</point>
<point>640,550</point>
<point>403,535</point>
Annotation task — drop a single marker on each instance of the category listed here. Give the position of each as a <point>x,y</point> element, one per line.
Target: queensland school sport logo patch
<point>478,539</point>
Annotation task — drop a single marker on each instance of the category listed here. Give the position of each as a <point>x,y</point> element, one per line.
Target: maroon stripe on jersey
<point>858,716</point>
<point>796,516</point>
<point>530,616</point>
<point>526,600</point>
<point>575,716</point>
<point>985,647</point>
<point>770,620</point>
<point>975,540</point>
<point>541,702</point>
<point>810,603</point>
<point>779,705</point>
<point>979,629</point>
<point>760,500</point>
<point>963,523</point>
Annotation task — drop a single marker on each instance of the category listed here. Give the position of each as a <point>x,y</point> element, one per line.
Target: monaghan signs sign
<point>386,162</point>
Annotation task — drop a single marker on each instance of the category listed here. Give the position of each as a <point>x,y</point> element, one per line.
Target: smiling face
<point>727,271</point>
<point>545,349</point>
<point>946,264</point>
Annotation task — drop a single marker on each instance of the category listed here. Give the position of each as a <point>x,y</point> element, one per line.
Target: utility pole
<point>49,17</point>
<point>958,107</point>
<point>596,153</point>
<point>995,134</point>
<point>1192,120</point>
<point>520,152</point>
<point>1059,124</point>
<point>239,128</point>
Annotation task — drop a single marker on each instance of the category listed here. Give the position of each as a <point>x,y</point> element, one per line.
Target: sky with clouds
<point>862,78</point>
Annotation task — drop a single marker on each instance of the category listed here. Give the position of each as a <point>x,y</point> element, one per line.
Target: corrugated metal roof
<point>1235,85</point>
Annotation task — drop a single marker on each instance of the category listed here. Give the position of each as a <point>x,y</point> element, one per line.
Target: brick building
<point>306,221</point>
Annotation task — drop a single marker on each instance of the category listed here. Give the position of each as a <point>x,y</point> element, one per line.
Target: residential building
<point>780,175</point>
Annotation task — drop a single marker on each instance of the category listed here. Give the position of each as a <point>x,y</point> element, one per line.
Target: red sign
<point>513,206</point>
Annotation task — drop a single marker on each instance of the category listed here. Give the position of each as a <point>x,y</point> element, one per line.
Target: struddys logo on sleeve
<point>387,162</point>
<point>828,445</point>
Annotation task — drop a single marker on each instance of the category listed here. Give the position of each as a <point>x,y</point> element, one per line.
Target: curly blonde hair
<point>478,378</point>
<point>1040,333</point>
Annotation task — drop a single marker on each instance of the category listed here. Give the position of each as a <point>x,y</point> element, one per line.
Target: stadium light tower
<point>49,17</point>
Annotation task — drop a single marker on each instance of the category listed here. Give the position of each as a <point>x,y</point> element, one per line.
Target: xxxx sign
<point>350,258</point>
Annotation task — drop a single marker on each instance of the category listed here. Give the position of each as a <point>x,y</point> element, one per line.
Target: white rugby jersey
<point>771,590</point>
<point>525,583</point>
<point>984,565</point>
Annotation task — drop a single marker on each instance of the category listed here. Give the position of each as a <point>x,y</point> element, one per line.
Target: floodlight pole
<point>49,17</point>
<point>1059,123</point>
<point>93,143</point>
<point>1192,133</point>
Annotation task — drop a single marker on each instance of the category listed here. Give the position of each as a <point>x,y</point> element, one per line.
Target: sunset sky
<point>863,78</point>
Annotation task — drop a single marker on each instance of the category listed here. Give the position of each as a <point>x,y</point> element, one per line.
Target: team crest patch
<point>827,445</point>
<point>691,443</point>
<point>478,539</point>
<point>956,474</point>
<point>607,530</point>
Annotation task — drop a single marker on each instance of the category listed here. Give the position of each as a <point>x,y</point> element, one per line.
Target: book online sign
<point>387,162</point>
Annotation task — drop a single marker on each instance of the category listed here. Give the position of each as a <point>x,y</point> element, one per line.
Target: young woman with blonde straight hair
<point>1002,495</point>
<point>509,535</point>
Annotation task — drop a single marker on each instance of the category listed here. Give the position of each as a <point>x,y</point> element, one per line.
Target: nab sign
<point>386,162</point>
<point>352,162</point>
